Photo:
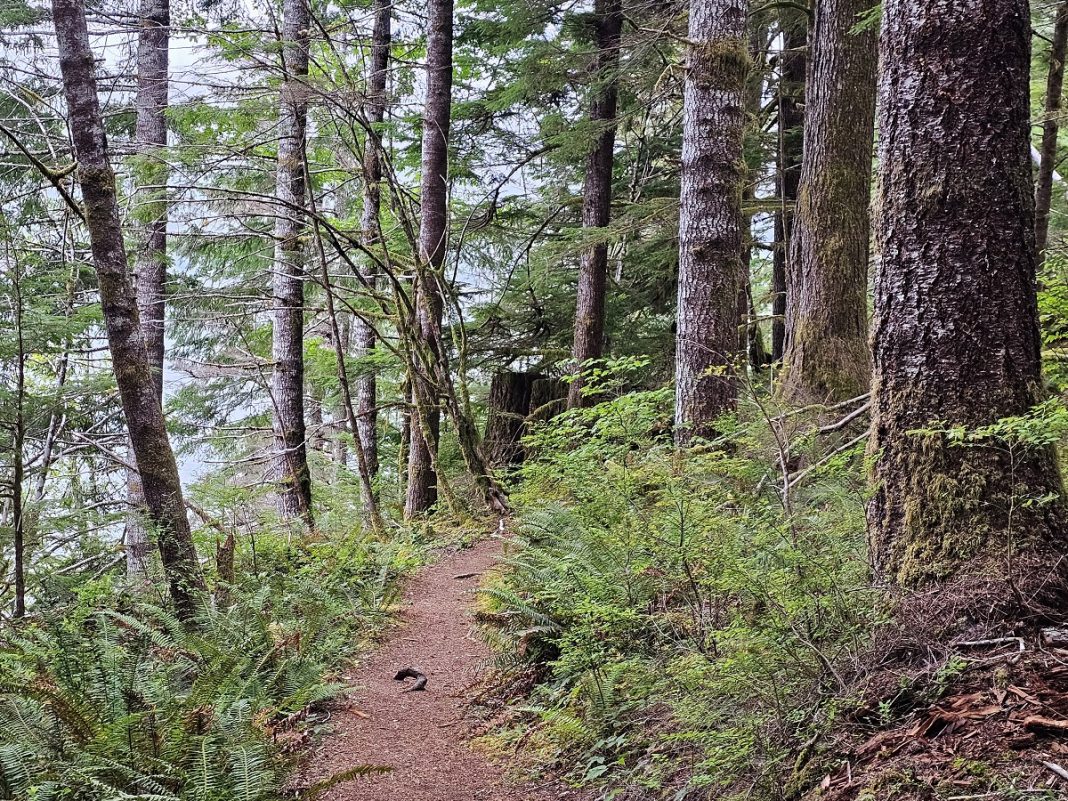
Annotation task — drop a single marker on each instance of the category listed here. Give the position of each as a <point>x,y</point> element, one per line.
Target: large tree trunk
<point>710,216</point>
<point>827,355</point>
<point>956,328</point>
<point>133,373</point>
<point>597,195</point>
<point>363,333</point>
<point>433,241</point>
<point>1050,129</point>
<point>150,270</point>
<point>287,389</point>
<point>791,121</point>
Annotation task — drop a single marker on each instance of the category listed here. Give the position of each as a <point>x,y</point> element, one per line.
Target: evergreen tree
<point>287,385</point>
<point>826,353</point>
<point>433,242</point>
<point>710,217</point>
<point>606,24</point>
<point>144,416</point>
<point>150,268</point>
<point>956,328</point>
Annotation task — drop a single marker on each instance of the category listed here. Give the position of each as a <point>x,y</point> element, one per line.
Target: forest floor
<point>423,737</point>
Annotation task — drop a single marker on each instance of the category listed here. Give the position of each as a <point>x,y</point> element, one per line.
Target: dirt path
<point>422,735</point>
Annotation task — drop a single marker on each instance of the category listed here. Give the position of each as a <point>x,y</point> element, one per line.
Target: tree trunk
<point>827,356</point>
<point>150,268</point>
<point>597,195</point>
<point>291,455</point>
<point>364,334</point>
<point>791,133</point>
<point>508,406</point>
<point>373,516</point>
<point>433,240</point>
<point>340,414</point>
<point>710,216</point>
<point>1050,129</point>
<point>18,445</point>
<point>129,356</point>
<point>750,339</point>
<point>956,325</point>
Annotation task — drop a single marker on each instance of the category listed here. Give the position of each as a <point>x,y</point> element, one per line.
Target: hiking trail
<point>423,736</point>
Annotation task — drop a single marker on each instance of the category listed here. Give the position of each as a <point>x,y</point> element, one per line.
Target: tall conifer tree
<point>956,324</point>
<point>710,216</point>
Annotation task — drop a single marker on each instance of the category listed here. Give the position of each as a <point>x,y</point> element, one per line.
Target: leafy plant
<point>670,606</point>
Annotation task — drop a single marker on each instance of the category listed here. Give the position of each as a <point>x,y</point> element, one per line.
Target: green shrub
<point>115,699</point>
<point>669,603</point>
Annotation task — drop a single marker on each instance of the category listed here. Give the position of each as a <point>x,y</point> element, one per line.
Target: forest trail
<point>423,736</point>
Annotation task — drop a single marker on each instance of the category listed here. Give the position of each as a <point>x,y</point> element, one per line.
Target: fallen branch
<point>1045,724</point>
<point>996,641</point>
<point>801,474</point>
<point>849,418</point>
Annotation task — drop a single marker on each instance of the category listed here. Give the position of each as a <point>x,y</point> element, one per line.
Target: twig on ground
<point>993,642</point>
<point>1055,768</point>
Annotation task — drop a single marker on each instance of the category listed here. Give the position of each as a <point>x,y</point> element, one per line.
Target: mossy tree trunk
<point>160,482</point>
<point>710,216</point>
<point>150,266</point>
<point>597,195</point>
<point>287,389</point>
<point>956,327</point>
<point>827,356</point>
<point>433,241</point>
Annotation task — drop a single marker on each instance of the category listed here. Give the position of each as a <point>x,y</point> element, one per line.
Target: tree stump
<point>548,397</point>
<point>509,402</point>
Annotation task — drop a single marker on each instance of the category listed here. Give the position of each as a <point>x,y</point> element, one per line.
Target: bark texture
<point>1050,129</point>
<point>827,355</point>
<point>133,373</point>
<point>597,194</point>
<point>548,398</point>
<point>363,333</point>
<point>433,240</point>
<point>508,406</point>
<point>287,381</point>
<point>710,216</point>
<point>956,327</point>
<point>791,120</point>
<point>150,266</point>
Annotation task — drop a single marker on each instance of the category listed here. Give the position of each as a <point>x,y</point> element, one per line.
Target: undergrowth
<point>667,626</point>
<point>105,696</point>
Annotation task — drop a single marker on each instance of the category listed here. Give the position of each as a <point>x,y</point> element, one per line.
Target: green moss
<point>947,514</point>
<point>722,64</point>
<point>951,507</point>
